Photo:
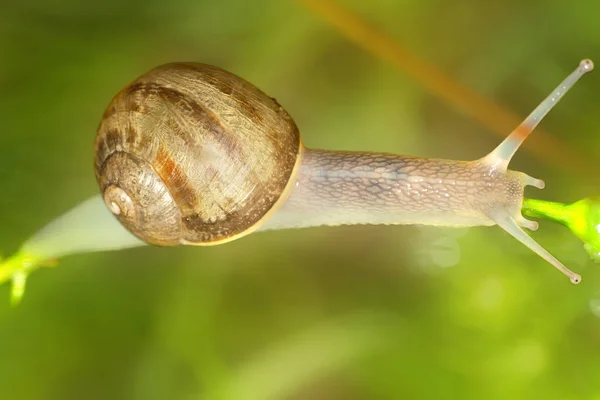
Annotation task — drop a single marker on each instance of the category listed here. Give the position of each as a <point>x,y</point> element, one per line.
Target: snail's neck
<point>347,188</point>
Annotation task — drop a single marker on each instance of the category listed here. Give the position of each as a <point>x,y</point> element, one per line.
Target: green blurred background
<point>328,313</point>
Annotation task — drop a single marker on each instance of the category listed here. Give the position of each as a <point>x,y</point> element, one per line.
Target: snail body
<point>348,188</point>
<point>192,154</point>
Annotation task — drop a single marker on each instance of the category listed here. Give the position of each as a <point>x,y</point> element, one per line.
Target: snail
<point>190,154</point>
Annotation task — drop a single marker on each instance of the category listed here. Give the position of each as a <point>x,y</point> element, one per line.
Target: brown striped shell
<point>192,154</point>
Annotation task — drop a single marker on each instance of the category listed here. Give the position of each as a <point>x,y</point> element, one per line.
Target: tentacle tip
<point>537,183</point>
<point>531,181</point>
<point>525,223</point>
<point>586,65</point>
<point>575,279</point>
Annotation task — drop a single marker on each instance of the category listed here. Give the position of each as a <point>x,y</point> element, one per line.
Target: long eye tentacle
<point>502,155</point>
<point>499,158</point>
<point>507,223</point>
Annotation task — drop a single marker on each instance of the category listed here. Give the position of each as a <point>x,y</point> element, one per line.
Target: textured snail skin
<point>347,188</point>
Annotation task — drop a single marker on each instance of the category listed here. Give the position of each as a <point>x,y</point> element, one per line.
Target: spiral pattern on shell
<point>192,154</point>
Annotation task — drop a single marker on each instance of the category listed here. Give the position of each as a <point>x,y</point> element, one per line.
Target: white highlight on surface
<point>114,208</point>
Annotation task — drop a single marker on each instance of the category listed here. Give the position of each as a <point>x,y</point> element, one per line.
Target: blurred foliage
<point>329,313</point>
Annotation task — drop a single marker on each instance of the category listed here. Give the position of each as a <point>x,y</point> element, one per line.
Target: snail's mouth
<point>139,199</point>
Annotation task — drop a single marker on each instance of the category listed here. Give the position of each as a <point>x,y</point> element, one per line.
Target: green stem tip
<point>581,217</point>
<point>17,268</point>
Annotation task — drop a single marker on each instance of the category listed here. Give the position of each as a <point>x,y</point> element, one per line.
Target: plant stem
<point>553,211</point>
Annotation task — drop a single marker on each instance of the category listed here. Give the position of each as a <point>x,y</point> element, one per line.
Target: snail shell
<point>192,154</point>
